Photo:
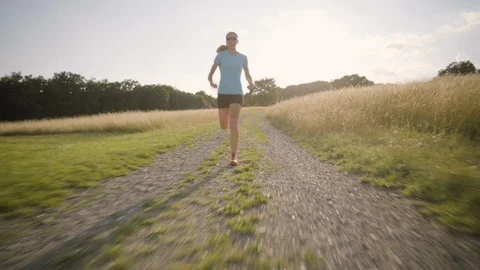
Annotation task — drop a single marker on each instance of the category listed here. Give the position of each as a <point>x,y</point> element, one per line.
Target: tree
<point>458,68</point>
<point>353,80</point>
<point>265,93</point>
<point>210,101</point>
<point>304,89</point>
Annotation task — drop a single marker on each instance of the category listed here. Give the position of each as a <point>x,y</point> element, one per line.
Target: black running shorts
<point>224,101</point>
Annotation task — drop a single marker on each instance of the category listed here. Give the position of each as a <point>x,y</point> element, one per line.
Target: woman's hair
<point>224,47</point>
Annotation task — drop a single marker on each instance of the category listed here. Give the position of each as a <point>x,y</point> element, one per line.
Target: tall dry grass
<point>444,105</point>
<point>125,122</point>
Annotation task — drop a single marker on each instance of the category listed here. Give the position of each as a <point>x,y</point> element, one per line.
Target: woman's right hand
<point>214,85</point>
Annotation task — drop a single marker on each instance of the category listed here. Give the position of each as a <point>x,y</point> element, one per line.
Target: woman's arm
<point>247,75</point>
<point>210,75</point>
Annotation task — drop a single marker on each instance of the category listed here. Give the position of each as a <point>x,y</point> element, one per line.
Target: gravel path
<point>96,210</point>
<point>352,226</point>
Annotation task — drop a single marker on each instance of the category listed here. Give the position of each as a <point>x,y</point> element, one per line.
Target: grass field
<point>422,138</point>
<point>47,160</point>
<point>110,122</point>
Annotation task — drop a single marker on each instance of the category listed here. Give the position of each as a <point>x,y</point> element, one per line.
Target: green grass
<point>220,253</point>
<point>243,224</point>
<point>252,123</point>
<point>113,251</point>
<point>121,264</point>
<point>313,261</point>
<point>187,252</point>
<point>159,230</point>
<point>238,206</point>
<point>246,193</point>
<point>41,171</point>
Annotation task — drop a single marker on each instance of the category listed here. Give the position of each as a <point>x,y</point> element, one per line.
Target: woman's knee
<point>234,123</point>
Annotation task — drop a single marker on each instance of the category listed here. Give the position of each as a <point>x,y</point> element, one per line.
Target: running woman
<point>230,93</point>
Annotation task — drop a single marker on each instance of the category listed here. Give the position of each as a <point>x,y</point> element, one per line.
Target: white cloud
<point>385,71</point>
<point>402,71</point>
<point>410,40</point>
<point>472,18</point>
<point>410,55</point>
<point>461,57</point>
<point>471,21</point>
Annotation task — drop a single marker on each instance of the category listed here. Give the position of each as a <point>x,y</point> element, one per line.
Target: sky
<point>174,41</point>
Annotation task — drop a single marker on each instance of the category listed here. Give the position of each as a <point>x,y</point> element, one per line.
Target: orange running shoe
<point>234,161</point>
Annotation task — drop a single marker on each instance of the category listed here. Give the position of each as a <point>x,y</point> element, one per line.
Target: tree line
<point>459,68</point>
<point>68,94</point>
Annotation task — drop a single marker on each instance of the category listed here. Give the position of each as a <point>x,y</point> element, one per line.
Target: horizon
<point>394,42</point>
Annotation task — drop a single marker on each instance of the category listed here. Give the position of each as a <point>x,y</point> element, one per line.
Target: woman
<point>230,92</point>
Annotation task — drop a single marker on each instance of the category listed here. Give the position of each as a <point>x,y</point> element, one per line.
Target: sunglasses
<point>232,38</point>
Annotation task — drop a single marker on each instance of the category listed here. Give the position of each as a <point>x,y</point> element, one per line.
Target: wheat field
<point>444,105</point>
<point>124,121</point>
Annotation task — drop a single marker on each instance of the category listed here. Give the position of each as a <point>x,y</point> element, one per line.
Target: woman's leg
<point>234,115</point>
<point>223,115</point>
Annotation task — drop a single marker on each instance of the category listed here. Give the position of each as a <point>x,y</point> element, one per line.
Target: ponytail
<point>222,48</point>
